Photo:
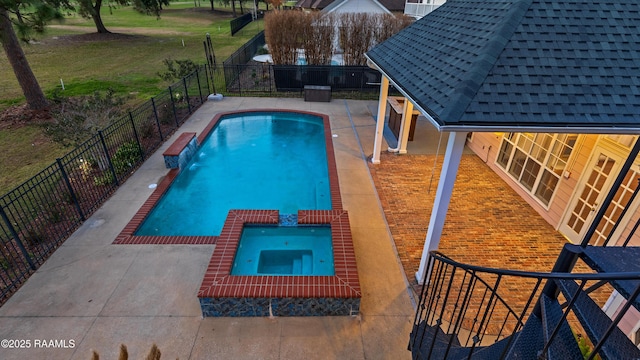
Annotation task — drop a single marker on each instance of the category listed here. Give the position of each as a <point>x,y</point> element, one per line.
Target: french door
<point>592,189</point>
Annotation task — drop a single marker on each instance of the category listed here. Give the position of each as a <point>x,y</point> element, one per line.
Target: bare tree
<point>356,37</point>
<point>283,33</point>
<point>317,38</point>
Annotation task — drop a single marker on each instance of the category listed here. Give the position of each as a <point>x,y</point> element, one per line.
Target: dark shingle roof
<point>393,5</point>
<point>568,65</point>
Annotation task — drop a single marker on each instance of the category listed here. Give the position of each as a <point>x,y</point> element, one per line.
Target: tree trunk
<point>212,8</point>
<point>233,8</point>
<point>27,80</point>
<point>241,8</point>
<point>97,18</point>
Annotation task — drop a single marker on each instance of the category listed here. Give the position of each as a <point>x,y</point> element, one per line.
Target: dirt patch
<point>92,37</point>
<point>117,33</point>
<point>20,115</point>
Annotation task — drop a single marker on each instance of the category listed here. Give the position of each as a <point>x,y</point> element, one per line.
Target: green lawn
<point>25,152</point>
<point>129,65</point>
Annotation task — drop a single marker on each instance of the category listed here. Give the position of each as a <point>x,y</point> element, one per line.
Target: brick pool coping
<point>223,294</point>
<point>127,235</point>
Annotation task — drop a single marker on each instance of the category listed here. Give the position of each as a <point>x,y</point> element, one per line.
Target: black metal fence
<point>266,78</point>
<point>39,215</point>
<point>238,23</point>
<point>242,76</point>
<point>247,51</point>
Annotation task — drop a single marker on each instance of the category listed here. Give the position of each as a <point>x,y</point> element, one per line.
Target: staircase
<point>470,312</point>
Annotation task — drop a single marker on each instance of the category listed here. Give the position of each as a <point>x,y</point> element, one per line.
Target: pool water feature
<point>284,250</point>
<point>224,294</point>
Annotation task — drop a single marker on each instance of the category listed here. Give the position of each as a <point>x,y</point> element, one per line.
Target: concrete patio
<point>93,295</point>
<point>102,295</point>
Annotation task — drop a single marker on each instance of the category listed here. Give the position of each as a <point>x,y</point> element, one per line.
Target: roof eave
<point>500,128</point>
<point>372,64</point>
<point>544,129</point>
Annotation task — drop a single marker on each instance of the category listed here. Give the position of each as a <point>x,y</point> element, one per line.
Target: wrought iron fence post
<point>186,93</point>
<point>270,79</point>
<point>199,88</point>
<point>173,106</point>
<point>239,79</point>
<point>71,192</point>
<point>209,76</point>
<point>14,233</point>
<point>135,134</point>
<point>155,113</point>
<point>106,151</point>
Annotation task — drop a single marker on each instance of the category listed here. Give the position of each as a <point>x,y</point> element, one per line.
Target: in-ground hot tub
<point>225,294</point>
<point>284,250</point>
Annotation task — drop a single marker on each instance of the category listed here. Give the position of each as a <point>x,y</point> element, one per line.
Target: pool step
<point>302,265</point>
<point>307,264</point>
<point>297,266</point>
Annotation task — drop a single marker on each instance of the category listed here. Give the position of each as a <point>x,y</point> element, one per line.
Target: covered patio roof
<point>512,66</point>
<point>521,65</point>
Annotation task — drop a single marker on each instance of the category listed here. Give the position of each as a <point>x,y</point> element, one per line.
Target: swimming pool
<point>222,293</point>
<point>275,160</point>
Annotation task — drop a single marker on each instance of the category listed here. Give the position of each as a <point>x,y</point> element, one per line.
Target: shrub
<point>283,33</point>
<point>317,34</point>
<point>184,68</point>
<point>34,236</point>
<point>126,157</point>
<point>103,180</point>
<point>287,31</point>
<point>77,119</point>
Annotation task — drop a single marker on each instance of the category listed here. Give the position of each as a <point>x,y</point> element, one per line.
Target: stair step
<point>564,344</point>
<point>595,323</point>
<point>428,341</point>
<point>493,351</point>
<point>615,259</point>
<point>529,341</point>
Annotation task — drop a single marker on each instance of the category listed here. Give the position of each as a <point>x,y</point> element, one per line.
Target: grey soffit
<point>526,64</point>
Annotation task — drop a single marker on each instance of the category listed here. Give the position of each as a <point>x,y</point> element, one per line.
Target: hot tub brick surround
<point>222,294</point>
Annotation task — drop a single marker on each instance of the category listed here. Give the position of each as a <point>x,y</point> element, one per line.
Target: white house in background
<point>393,6</point>
<point>356,6</point>
<point>421,8</point>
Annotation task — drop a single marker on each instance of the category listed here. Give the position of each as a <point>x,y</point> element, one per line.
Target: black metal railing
<point>468,311</point>
<point>37,216</point>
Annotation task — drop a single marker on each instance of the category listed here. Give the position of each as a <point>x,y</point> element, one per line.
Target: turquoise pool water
<point>273,161</point>
<point>282,250</point>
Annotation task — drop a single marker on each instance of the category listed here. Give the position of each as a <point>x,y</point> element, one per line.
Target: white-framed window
<point>536,161</point>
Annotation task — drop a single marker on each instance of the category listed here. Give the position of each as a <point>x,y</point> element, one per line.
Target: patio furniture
<point>396,104</point>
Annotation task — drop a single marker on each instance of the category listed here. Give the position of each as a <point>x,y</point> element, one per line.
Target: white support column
<point>382,111</point>
<point>452,157</point>
<point>407,110</point>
